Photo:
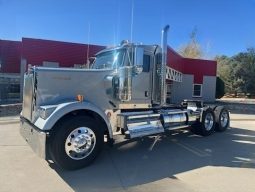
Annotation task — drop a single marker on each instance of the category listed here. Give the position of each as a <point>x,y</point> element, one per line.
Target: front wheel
<point>76,142</point>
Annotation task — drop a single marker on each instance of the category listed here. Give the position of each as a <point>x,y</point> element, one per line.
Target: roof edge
<point>58,41</point>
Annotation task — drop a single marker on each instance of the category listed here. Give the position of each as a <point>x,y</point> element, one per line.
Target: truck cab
<point>67,113</point>
<point>133,65</point>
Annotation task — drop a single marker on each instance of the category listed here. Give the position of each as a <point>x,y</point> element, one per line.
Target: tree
<point>238,72</point>
<point>224,71</point>
<point>245,70</point>
<point>192,49</point>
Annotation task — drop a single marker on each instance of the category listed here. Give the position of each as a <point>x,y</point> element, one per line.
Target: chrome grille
<point>28,96</point>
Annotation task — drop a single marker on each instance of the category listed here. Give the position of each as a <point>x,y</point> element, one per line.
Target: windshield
<point>109,60</point>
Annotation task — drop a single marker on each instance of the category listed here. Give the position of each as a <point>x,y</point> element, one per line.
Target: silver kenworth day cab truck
<point>68,113</point>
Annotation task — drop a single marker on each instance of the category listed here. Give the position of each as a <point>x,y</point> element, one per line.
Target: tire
<point>195,128</point>
<point>76,142</point>
<point>207,125</point>
<point>222,118</point>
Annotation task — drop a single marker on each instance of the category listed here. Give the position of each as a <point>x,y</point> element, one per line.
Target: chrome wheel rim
<point>224,119</point>
<point>80,143</point>
<point>208,121</point>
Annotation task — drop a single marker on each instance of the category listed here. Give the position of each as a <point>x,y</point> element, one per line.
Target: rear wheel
<point>207,125</point>
<point>76,142</point>
<point>222,118</point>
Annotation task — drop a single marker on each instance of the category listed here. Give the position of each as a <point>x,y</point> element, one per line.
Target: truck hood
<point>56,85</point>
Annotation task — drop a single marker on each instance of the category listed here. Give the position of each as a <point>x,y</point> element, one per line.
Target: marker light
<point>109,115</point>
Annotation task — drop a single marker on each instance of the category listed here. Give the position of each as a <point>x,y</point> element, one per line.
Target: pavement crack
<point>117,171</point>
<point>191,149</point>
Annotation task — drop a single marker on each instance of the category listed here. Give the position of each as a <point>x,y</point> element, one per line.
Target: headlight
<point>42,113</point>
<point>45,111</point>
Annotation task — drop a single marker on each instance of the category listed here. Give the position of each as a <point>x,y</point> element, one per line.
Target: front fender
<point>65,108</point>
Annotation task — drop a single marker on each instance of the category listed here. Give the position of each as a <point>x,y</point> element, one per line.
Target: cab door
<point>141,83</point>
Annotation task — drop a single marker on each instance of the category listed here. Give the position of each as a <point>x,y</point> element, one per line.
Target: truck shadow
<point>150,159</point>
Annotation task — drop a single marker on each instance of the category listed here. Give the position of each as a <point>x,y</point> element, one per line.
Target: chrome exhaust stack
<point>163,66</point>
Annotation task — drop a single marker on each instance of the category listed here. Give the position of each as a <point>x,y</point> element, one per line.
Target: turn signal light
<point>79,98</point>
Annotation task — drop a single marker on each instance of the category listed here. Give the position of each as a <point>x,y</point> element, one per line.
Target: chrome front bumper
<point>34,137</point>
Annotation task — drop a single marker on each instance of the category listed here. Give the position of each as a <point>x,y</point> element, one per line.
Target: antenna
<point>118,23</point>
<point>132,20</point>
<point>88,41</point>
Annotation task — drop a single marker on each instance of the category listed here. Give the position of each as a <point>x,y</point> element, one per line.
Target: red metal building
<point>198,76</point>
<point>10,54</point>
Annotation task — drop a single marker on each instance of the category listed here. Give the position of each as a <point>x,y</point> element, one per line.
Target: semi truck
<point>68,114</point>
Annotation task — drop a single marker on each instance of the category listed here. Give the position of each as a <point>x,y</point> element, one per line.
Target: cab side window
<point>146,63</point>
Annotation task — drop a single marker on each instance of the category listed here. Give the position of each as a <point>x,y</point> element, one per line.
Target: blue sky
<point>224,26</point>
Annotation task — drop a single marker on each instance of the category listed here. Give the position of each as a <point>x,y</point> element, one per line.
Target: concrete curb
<point>242,119</point>
<point>9,120</point>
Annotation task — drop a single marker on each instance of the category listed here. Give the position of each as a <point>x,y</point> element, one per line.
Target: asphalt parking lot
<point>177,161</point>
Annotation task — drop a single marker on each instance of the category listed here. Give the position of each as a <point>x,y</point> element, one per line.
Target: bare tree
<point>192,49</point>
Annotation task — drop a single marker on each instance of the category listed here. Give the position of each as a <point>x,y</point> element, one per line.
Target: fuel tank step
<point>138,124</point>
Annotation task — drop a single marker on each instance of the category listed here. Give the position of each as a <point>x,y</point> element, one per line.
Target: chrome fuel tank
<point>172,118</point>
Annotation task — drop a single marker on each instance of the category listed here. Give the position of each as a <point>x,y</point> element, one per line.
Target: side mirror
<point>138,61</point>
<point>90,62</point>
<point>137,69</point>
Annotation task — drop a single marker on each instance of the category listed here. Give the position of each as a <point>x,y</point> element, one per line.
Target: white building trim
<point>172,74</point>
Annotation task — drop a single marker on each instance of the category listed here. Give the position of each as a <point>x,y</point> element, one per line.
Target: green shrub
<point>220,88</point>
